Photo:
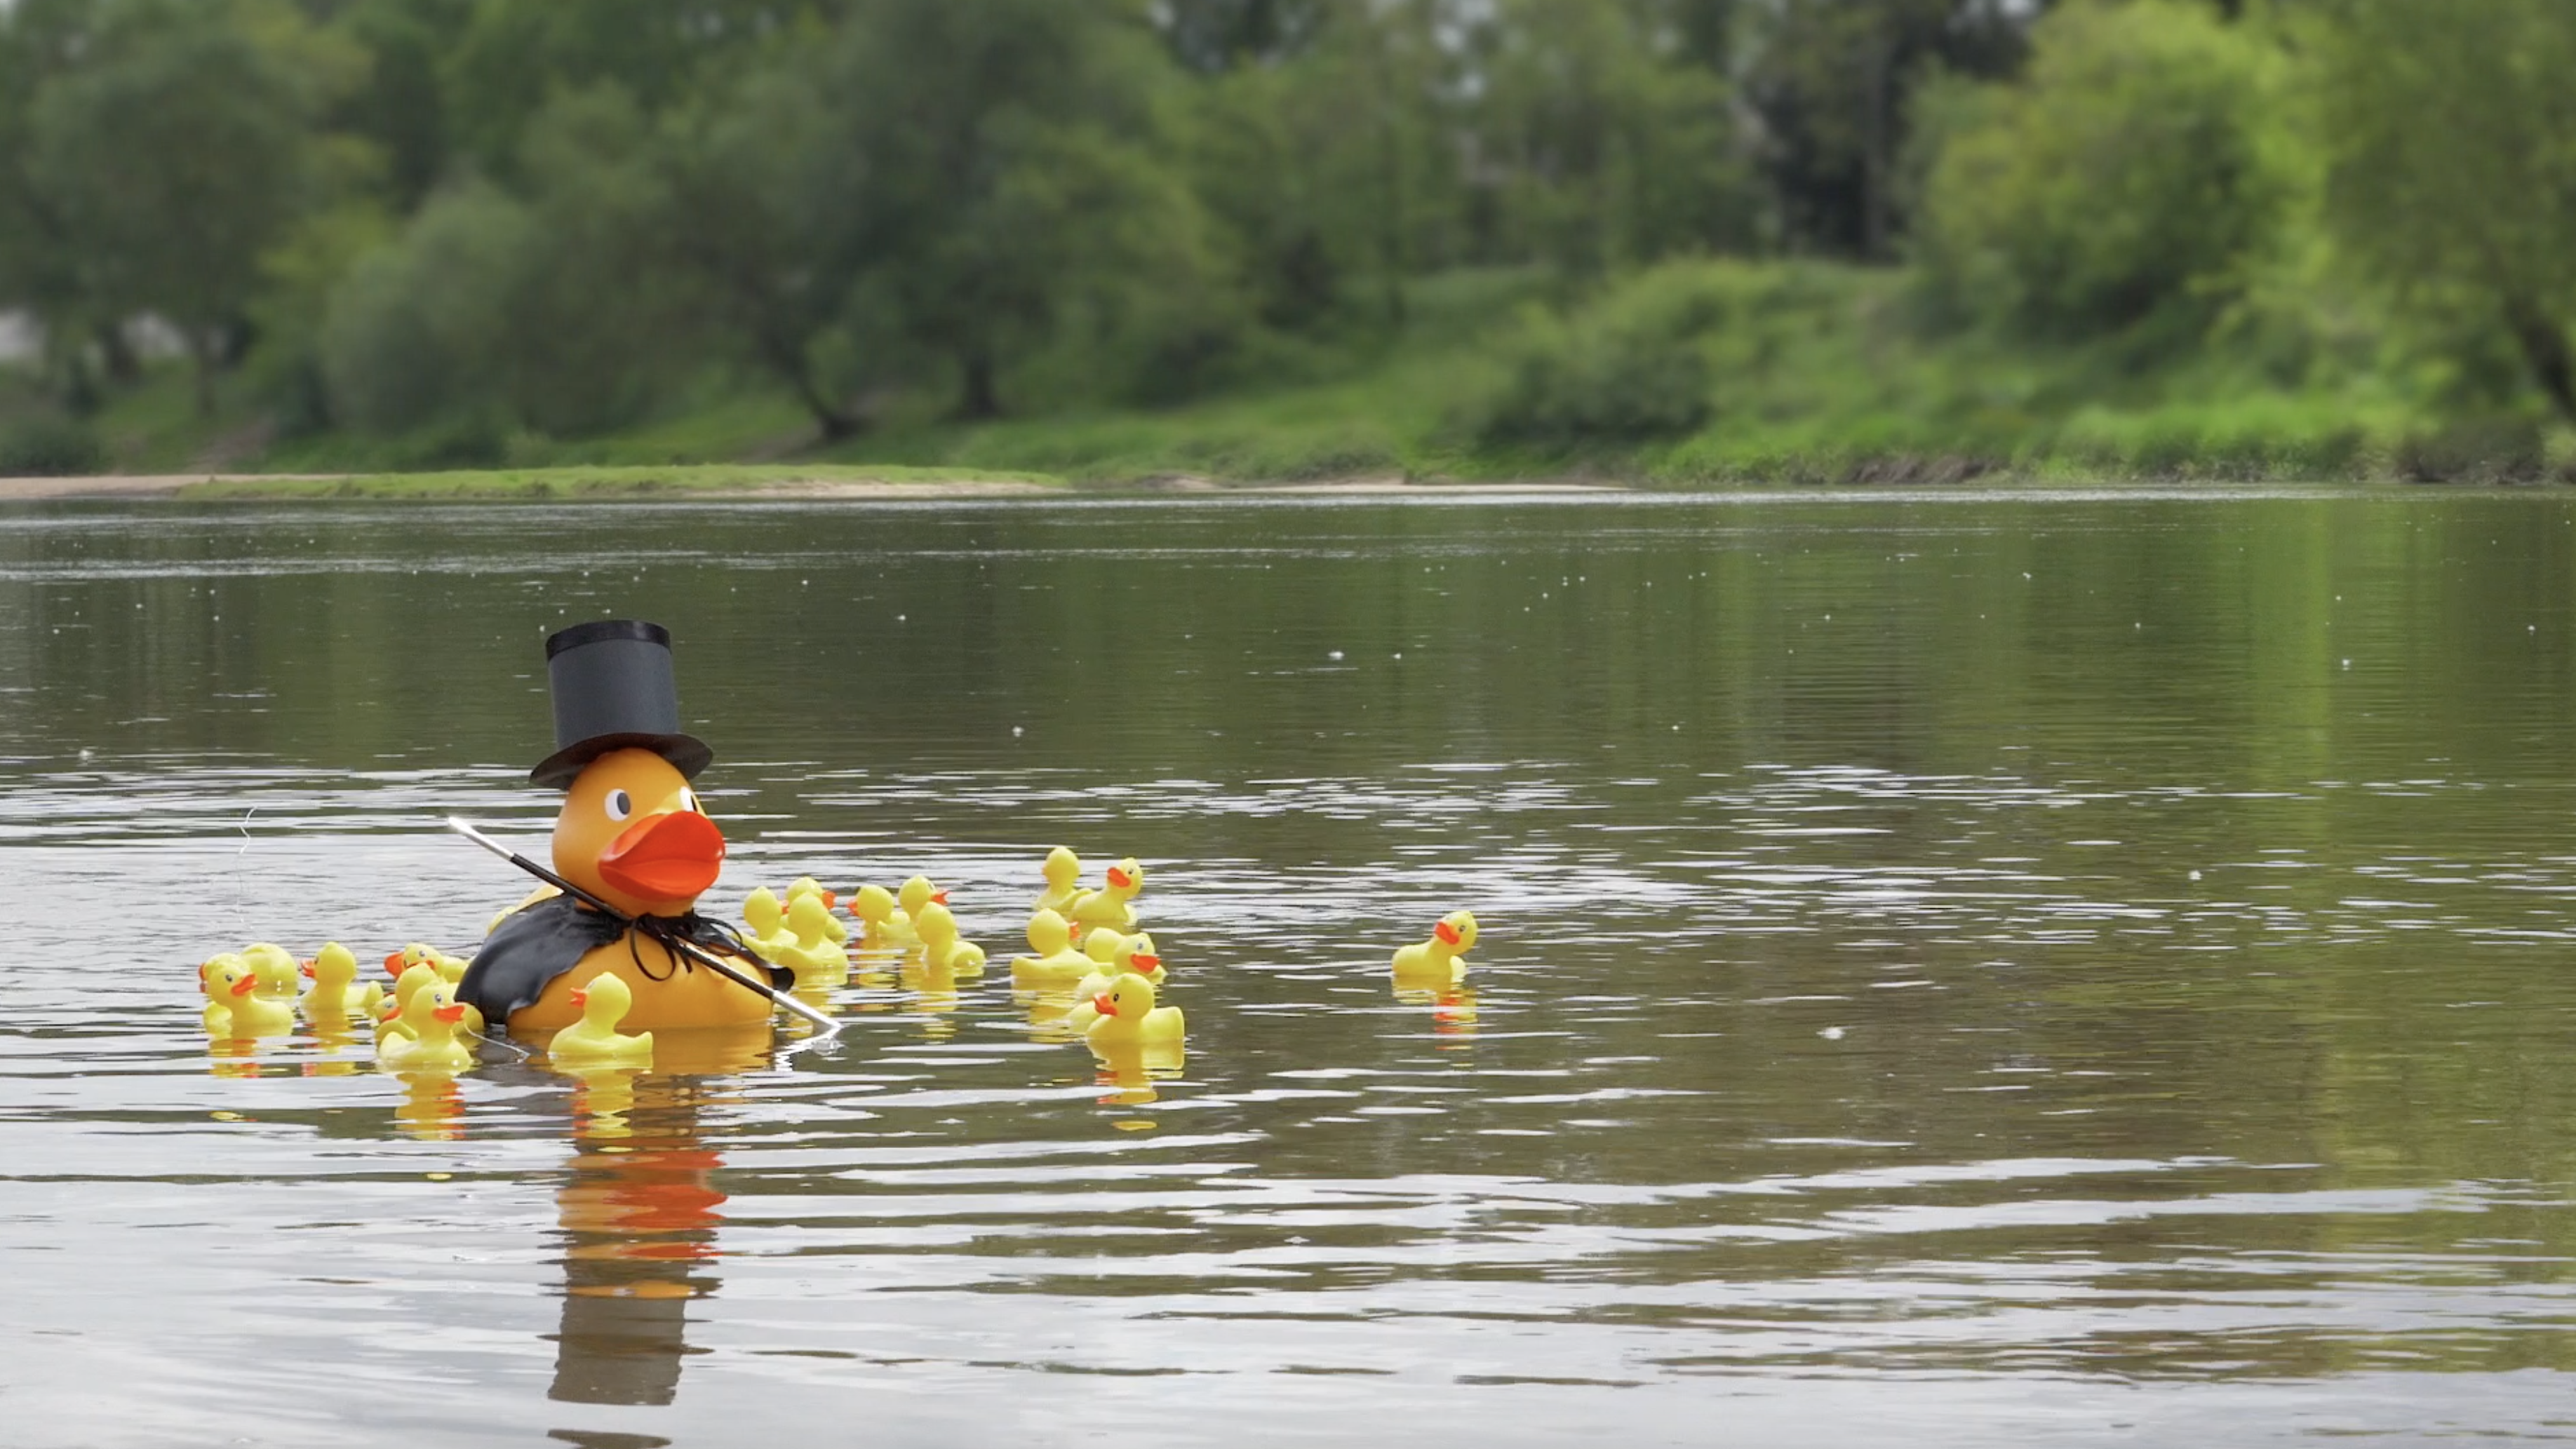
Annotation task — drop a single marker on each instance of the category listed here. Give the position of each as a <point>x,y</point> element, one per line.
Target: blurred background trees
<point>464,222</point>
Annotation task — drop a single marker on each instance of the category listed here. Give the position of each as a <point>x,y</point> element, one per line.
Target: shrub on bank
<point>48,445</point>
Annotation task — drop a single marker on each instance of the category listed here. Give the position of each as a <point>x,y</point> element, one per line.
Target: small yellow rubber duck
<point>234,1007</point>
<point>885,925</point>
<point>1129,1017</point>
<point>281,976</point>
<point>1133,955</point>
<point>806,885</point>
<point>767,918</point>
<point>1113,958</point>
<point>335,990</point>
<point>1063,870</point>
<point>1442,960</point>
<point>432,1045</point>
<point>1057,964</point>
<point>810,952</point>
<point>941,947</point>
<point>603,1001</point>
<point>1113,906</point>
<point>416,978</point>
<point>451,969</point>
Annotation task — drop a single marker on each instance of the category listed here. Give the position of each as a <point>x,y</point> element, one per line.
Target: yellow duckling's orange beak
<point>672,856</point>
<point>306,969</point>
<point>940,896</point>
<point>830,900</point>
<point>394,963</point>
<point>1104,1005</point>
<point>580,997</point>
<point>451,1014</point>
<point>1144,963</point>
<point>244,985</point>
<point>1119,878</point>
<point>1447,933</point>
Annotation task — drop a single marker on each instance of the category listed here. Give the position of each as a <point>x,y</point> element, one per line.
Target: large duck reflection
<point>639,1212</point>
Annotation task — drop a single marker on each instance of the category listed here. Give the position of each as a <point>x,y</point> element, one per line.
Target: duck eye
<point>620,804</point>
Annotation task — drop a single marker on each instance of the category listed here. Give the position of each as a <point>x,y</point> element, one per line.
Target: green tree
<point>175,154</point>
<point>1599,142</point>
<point>39,263</point>
<point>2130,172</point>
<point>1334,168</point>
<point>1006,156</point>
<point>2450,139</point>
<point>763,193</point>
<point>1834,80</point>
<point>512,58</point>
<point>559,309</point>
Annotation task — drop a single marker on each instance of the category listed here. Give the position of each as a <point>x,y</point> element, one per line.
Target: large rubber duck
<point>281,976</point>
<point>1113,906</point>
<point>234,1007</point>
<point>806,885</point>
<point>432,1043</point>
<point>335,990</point>
<point>942,948</point>
<point>766,915</point>
<point>594,1040</point>
<point>1063,871</point>
<point>632,833</point>
<point>810,952</point>
<point>1440,961</point>
<point>1056,966</point>
<point>1129,1017</point>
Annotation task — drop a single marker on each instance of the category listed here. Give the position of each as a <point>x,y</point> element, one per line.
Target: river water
<point>1956,969</point>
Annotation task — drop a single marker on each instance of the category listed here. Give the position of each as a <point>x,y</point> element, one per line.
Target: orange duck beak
<point>1104,1005</point>
<point>1119,878</point>
<point>244,985</point>
<point>1144,964</point>
<point>450,1014</point>
<point>673,856</point>
<point>580,998</point>
<point>1447,933</point>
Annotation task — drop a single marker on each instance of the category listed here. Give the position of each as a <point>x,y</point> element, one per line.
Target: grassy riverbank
<point>1689,374</point>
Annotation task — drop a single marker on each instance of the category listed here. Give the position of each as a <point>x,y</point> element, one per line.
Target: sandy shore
<point>30,490</point>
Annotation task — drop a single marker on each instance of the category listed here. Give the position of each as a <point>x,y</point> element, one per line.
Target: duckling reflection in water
<point>1132,1067</point>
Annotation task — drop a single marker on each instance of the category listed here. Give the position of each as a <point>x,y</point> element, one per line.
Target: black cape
<point>532,947</point>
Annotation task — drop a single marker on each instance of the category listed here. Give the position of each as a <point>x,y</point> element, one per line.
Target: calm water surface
<point>1956,970</point>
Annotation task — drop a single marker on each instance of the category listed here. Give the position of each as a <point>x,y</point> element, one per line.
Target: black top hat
<point>614,690</point>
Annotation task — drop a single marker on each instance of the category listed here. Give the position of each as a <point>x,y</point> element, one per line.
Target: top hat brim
<point>687,753</point>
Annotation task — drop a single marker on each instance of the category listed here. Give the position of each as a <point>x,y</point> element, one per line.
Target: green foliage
<point>2128,175</point>
<point>560,314</point>
<point>413,332</point>
<point>1602,146</point>
<point>1630,368</point>
<point>1833,82</point>
<point>1330,172</point>
<point>48,445</point>
<point>1006,180</point>
<point>176,150</point>
<point>2449,135</point>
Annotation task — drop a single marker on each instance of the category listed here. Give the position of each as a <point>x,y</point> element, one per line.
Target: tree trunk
<point>831,419</point>
<point>203,351</point>
<point>979,400</point>
<point>123,367</point>
<point>2543,340</point>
